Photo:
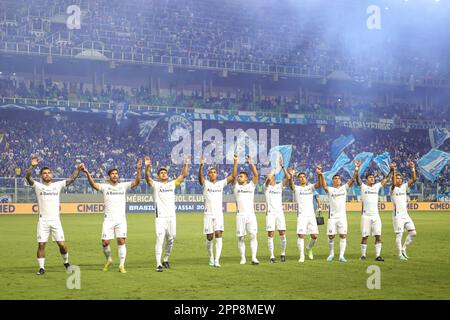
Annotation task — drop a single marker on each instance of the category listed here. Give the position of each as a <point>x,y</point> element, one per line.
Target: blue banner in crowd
<point>338,164</point>
<point>438,137</point>
<point>432,163</point>
<point>365,158</point>
<point>275,153</point>
<point>383,161</point>
<point>338,145</point>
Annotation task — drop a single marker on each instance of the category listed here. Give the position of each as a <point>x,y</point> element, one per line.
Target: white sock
<point>331,247</point>
<point>270,246</point>
<point>342,246</point>
<point>378,249</point>
<point>158,250</point>
<point>65,257</point>
<point>301,246</point>
<point>398,242</point>
<point>107,252</point>
<point>209,247</point>
<point>241,245</point>
<point>311,243</point>
<point>283,244</point>
<point>409,239</point>
<point>122,254</point>
<point>41,262</point>
<point>169,246</point>
<point>218,248</point>
<point>363,249</point>
<point>253,246</point>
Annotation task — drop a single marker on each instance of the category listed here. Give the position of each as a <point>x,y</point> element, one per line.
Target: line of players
<point>115,224</point>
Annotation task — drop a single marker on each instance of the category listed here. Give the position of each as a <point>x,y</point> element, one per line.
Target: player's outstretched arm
<point>201,178</point>
<point>323,182</point>
<point>413,173</point>
<point>287,176</point>
<point>319,174</point>
<point>233,175</point>
<point>358,178</point>
<point>148,165</point>
<point>291,180</point>
<point>74,175</point>
<point>387,178</point>
<point>137,180</point>
<point>393,168</point>
<point>353,179</point>
<point>254,170</point>
<point>34,163</point>
<point>94,185</point>
<point>184,171</point>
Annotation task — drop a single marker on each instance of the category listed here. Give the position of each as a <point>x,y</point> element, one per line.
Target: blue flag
<point>338,164</point>
<point>432,163</point>
<point>438,137</point>
<point>338,145</point>
<point>365,157</point>
<point>275,153</point>
<point>383,161</point>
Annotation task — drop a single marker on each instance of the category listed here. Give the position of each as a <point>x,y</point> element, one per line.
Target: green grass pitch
<point>425,276</point>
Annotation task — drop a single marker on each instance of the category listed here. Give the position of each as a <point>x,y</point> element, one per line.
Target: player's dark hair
<point>300,174</point>
<point>112,170</point>
<point>44,168</point>
<point>162,169</point>
<point>244,173</point>
<point>212,168</point>
<point>369,174</point>
<point>336,175</point>
<point>398,175</point>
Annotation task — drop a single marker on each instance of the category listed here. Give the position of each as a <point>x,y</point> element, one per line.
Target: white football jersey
<point>304,196</point>
<point>115,198</point>
<point>164,194</point>
<point>245,195</point>
<point>400,199</point>
<point>274,198</point>
<point>337,199</point>
<point>48,199</point>
<point>213,194</point>
<point>369,197</point>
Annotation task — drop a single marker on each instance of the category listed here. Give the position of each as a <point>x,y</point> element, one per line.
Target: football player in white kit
<point>245,215</point>
<point>400,217</point>
<point>49,222</point>
<point>213,217</point>
<point>115,222</point>
<point>275,216</point>
<point>165,208</point>
<point>370,218</point>
<point>337,214</point>
<point>306,217</point>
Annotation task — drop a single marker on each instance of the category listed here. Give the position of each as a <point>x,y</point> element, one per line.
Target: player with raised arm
<point>213,225</point>
<point>400,217</point>
<point>275,216</point>
<point>244,191</point>
<point>165,218</point>
<point>49,222</point>
<point>337,213</point>
<point>306,217</point>
<point>370,217</point>
<point>115,222</point>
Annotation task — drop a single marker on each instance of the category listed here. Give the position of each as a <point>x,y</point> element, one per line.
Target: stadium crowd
<point>62,141</point>
<point>51,90</point>
<point>234,33</point>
